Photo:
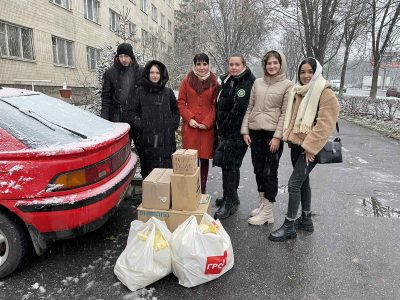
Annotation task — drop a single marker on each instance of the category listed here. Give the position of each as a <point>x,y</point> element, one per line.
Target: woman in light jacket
<point>196,103</point>
<point>262,130</point>
<point>311,115</point>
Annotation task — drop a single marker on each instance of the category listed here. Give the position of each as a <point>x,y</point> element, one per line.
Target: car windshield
<point>39,120</point>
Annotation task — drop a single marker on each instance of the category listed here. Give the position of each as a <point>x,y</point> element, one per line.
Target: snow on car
<point>63,172</point>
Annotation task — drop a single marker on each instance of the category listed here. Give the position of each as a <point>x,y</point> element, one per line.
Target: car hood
<point>46,125</point>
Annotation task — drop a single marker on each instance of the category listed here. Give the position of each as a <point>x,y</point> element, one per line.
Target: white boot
<point>261,198</point>
<point>265,215</point>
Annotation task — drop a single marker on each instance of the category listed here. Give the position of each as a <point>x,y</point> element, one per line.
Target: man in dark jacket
<point>119,84</point>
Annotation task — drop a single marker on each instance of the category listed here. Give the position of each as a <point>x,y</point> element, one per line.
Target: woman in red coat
<point>196,103</point>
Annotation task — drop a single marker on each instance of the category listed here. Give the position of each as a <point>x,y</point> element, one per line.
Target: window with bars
<point>93,57</point>
<point>62,3</point>
<point>162,20</point>
<point>114,21</point>
<point>16,41</point>
<point>144,38</point>
<point>63,52</point>
<point>92,10</point>
<point>169,26</point>
<point>154,14</point>
<point>131,29</point>
<point>143,6</point>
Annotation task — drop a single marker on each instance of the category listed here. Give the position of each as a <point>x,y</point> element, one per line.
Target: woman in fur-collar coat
<point>311,115</point>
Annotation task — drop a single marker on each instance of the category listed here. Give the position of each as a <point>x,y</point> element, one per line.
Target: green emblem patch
<point>241,93</point>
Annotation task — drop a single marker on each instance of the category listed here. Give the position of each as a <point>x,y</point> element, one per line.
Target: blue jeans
<point>299,182</point>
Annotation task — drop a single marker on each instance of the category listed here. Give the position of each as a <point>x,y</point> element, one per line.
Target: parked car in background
<point>393,92</point>
<point>335,85</point>
<point>63,173</point>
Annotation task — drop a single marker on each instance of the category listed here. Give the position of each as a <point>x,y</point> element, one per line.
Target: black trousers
<point>230,182</point>
<point>265,162</point>
<point>299,182</point>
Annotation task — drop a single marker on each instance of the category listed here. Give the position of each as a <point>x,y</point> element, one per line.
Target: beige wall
<point>47,19</point>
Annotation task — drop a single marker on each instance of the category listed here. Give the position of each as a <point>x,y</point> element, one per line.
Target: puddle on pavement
<point>375,208</point>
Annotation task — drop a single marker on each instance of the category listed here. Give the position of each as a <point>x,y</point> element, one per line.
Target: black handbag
<point>332,151</point>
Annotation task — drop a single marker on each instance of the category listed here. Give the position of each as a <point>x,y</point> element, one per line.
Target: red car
<point>393,92</point>
<point>63,172</point>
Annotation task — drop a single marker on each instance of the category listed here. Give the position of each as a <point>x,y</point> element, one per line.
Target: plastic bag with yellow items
<point>147,256</point>
<point>200,253</point>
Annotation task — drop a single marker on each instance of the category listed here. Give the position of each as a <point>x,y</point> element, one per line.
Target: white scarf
<point>311,93</point>
<point>202,76</point>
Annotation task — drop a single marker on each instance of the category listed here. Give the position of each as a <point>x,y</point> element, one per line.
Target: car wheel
<point>14,244</point>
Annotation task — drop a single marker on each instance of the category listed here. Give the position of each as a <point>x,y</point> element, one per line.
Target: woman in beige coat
<point>262,128</point>
<point>311,115</point>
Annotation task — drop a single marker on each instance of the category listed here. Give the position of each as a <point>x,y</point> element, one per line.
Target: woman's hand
<point>274,145</point>
<point>202,126</point>
<point>247,139</point>
<point>193,123</point>
<point>309,157</point>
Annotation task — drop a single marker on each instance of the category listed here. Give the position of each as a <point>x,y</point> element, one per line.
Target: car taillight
<point>90,174</point>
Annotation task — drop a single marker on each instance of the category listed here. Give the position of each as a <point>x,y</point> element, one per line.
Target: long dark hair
<point>309,60</point>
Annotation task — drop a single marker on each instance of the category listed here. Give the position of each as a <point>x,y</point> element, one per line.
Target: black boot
<point>304,222</point>
<point>285,232</point>
<point>236,201</point>
<point>227,208</point>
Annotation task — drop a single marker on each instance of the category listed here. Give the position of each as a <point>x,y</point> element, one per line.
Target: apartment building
<point>51,42</point>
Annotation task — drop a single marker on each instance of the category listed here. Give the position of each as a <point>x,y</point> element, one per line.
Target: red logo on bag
<point>215,264</point>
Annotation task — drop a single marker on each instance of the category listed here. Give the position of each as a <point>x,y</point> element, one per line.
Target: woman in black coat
<point>155,119</point>
<point>232,103</point>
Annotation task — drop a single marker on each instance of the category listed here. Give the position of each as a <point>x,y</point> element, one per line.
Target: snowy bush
<point>381,114</point>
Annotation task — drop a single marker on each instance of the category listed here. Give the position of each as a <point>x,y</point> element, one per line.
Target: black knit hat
<point>126,49</point>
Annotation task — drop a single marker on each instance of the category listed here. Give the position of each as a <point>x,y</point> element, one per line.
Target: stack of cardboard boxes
<point>172,195</point>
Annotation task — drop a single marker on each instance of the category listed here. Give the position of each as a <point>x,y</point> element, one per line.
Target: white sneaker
<point>265,215</point>
<point>256,211</point>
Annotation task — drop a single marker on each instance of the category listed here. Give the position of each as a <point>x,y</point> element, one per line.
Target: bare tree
<point>384,26</point>
<point>127,29</point>
<point>291,46</point>
<point>318,24</point>
<point>235,27</point>
<point>354,26</point>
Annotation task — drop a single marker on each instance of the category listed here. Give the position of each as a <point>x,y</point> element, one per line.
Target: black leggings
<point>265,162</point>
<point>230,182</point>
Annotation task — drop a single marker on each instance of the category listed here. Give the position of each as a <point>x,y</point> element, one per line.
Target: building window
<point>16,41</point>
<point>169,49</point>
<point>93,57</point>
<point>163,47</point>
<point>144,38</point>
<point>162,21</point>
<point>131,29</point>
<point>154,13</point>
<point>143,6</point>
<point>62,3</point>
<point>114,21</point>
<point>92,10</point>
<point>169,26</point>
<point>63,52</point>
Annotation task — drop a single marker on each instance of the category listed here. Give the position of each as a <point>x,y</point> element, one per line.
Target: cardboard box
<point>156,189</point>
<point>185,190</point>
<point>173,218</point>
<point>184,161</point>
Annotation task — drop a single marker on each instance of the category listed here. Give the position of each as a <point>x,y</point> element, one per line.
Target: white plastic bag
<point>200,253</point>
<point>147,256</point>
